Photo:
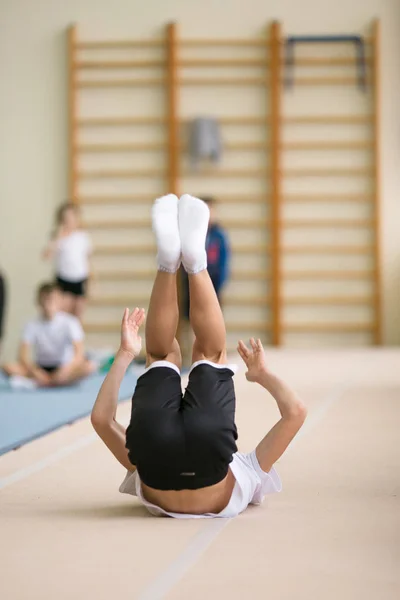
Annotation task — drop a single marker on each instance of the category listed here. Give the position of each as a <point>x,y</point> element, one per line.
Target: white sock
<point>166,230</point>
<point>18,382</point>
<point>194,215</point>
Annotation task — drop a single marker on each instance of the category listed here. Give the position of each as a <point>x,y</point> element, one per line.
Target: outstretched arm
<point>292,409</point>
<point>51,245</point>
<point>104,411</point>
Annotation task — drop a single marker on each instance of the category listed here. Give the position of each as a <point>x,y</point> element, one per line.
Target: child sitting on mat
<point>56,340</point>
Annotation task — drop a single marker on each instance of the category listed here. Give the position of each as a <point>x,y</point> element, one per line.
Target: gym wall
<point>34,126</point>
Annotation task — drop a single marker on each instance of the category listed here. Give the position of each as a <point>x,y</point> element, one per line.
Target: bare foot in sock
<point>166,230</point>
<point>194,215</point>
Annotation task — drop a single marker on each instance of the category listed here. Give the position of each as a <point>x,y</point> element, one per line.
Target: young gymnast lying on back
<point>180,449</point>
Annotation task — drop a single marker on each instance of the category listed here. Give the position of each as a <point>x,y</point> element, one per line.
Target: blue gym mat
<point>28,414</point>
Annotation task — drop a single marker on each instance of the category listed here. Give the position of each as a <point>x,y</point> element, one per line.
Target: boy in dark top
<point>218,251</point>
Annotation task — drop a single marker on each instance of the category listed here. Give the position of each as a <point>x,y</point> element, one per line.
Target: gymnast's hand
<point>131,342</point>
<point>254,359</point>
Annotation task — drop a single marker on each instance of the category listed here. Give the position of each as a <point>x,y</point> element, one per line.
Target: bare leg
<point>162,320</point>
<point>15,369</point>
<point>206,319</point>
<point>163,313</point>
<point>205,312</point>
<point>84,369</point>
<point>78,306</point>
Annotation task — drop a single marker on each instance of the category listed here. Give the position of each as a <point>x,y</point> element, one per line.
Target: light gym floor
<point>333,532</point>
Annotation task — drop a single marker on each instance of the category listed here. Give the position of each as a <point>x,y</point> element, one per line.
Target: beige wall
<point>34,126</point>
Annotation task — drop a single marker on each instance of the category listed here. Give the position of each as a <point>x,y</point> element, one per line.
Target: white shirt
<point>72,256</point>
<point>252,485</point>
<point>52,340</point>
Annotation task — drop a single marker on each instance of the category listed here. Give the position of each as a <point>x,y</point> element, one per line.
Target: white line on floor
<point>163,583</point>
<point>168,578</point>
<point>49,460</point>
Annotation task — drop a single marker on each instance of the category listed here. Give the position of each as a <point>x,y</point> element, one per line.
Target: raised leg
<point>162,320</point>
<point>206,319</point>
<point>163,313</point>
<point>205,312</point>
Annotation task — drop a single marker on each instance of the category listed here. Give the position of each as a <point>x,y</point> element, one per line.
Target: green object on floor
<point>106,365</point>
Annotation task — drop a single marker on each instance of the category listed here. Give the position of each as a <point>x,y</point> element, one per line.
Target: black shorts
<point>49,368</point>
<point>183,441</point>
<point>76,288</point>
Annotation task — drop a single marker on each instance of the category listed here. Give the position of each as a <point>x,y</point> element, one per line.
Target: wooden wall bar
<point>172,67</point>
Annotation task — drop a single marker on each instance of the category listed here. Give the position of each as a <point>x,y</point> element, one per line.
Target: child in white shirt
<point>52,346</point>
<point>71,248</point>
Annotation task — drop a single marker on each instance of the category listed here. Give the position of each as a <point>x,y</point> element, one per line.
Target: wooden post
<point>376,88</point>
<point>72,115</point>
<point>172,103</point>
<point>275,177</point>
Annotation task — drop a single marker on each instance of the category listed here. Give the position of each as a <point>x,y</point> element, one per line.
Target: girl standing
<point>70,248</point>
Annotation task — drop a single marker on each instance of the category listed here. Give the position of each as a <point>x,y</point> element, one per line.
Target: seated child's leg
<point>66,375</point>
<point>15,369</point>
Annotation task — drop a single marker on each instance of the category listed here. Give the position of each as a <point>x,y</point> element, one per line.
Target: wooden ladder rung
<point>242,199</point>
<point>126,249</point>
<point>328,61</point>
<point>115,275</point>
<point>328,327</point>
<point>250,43</point>
<point>328,120</point>
<point>243,120</point>
<point>246,146</point>
<point>329,301</point>
<point>251,249</point>
<point>121,174</point>
<point>248,275</point>
<point>330,145</point>
<point>120,300</point>
<point>118,64</point>
<point>107,44</point>
<point>328,198</point>
<point>261,223</point>
<point>327,223</point>
<point>253,300</point>
<point>112,83</point>
<point>356,250</point>
<point>328,81</point>
<point>114,224</point>
<point>120,121</point>
<point>331,172</point>
<point>138,147</point>
<point>238,120</point>
<point>225,173</point>
<point>327,275</point>
<point>222,62</point>
<point>223,81</point>
<point>123,199</point>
